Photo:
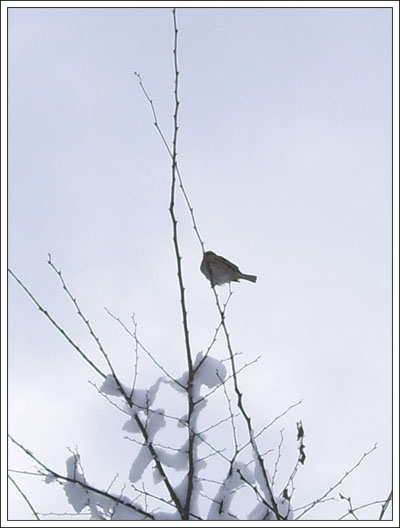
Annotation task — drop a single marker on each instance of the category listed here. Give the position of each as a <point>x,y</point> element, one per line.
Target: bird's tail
<point>251,278</point>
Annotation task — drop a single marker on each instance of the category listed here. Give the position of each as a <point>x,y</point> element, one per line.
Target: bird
<point>219,270</point>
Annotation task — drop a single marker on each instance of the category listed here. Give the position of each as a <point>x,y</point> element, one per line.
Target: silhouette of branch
<point>84,485</point>
<point>81,315</point>
<point>386,505</point>
<point>149,354</point>
<point>56,325</point>
<point>338,483</point>
<point>243,411</point>
<point>277,458</point>
<point>28,502</point>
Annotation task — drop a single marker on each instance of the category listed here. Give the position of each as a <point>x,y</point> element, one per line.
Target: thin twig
<point>165,142</point>
<point>351,509</point>
<point>82,316</point>
<point>385,506</point>
<point>216,451</point>
<point>84,485</point>
<point>278,457</point>
<point>112,482</point>
<point>152,496</point>
<point>300,460</point>
<point>38,474</point>
<point>244,413</point>
<point>25,498</point>
<point>273,421</point>
<point>136,356</point>
<point>257,493</point>
<point>329,491</point>
<point>219,326</point>
<point>231,417</point>
<point>217,387</point>
<point>70,514</point>
<point>53,322</point>
<point>213,426</point>
<point>153,359</point>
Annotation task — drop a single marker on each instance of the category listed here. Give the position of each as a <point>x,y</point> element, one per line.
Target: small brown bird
<point>219,270</point>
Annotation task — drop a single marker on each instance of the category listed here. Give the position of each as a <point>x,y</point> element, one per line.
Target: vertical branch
<point>172,201</point>
<point>178,174</point>
<point>191,432</point>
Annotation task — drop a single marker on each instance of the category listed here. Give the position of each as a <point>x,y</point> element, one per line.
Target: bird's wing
<point>229,264</point>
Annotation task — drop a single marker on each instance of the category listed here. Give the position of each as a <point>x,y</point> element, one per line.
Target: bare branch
<point>278,457</point>
<point>300,460</point>
<point>351,509</point>
<point>385,505</point>
<point>81,315</point>
<point>213,426</point>
<point>84,485</point>
<point>231,417</point>
<point>137,340</point>
<point>135,374</point>
<point>28,502</point>
<point>244,413</point>
<point>257,493</point>
<point>217,387</point>
<point>329,491</point>
<point>165,142</point>
<point>53,322</point>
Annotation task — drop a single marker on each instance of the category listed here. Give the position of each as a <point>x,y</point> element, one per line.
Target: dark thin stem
<point>191,469</point>
<point>81,315</point>
<point>126,397</point>
<point>135,373</point>
<point>137,341</point>
<point>170,152</point>
<point>277,458</point>
<point>246,417</point>
<point>254,488</point>
<point>363,506</point>
<point>82,484</point>
<point>386,505</point>
<point>25,498</point>
<point>232,418</point>
<point>329,491</point>
<point>53,322</point>
<point>214,339</point>
<point>217,387</point>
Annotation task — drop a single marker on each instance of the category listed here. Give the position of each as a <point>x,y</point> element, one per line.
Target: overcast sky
<point>285,150</point>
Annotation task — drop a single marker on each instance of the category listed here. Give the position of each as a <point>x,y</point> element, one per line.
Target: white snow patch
<point>49,478</point>
<point>155,423</point>
<point>177,460</point>
<point>211,371</point>
<point>131,426</point>
<point>140,463</point>
<point>162,516</point>
<point>77,495</point>
<point>183,421</point>
<point>110,387</point>
<point>219,510</point>
<point>259,512</point>
<point>124,513</point>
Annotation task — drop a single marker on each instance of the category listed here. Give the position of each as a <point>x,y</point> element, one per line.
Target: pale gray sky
<point>285,149</point>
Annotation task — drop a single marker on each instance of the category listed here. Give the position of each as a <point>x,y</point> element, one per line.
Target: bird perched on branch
<point>219,270</point>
